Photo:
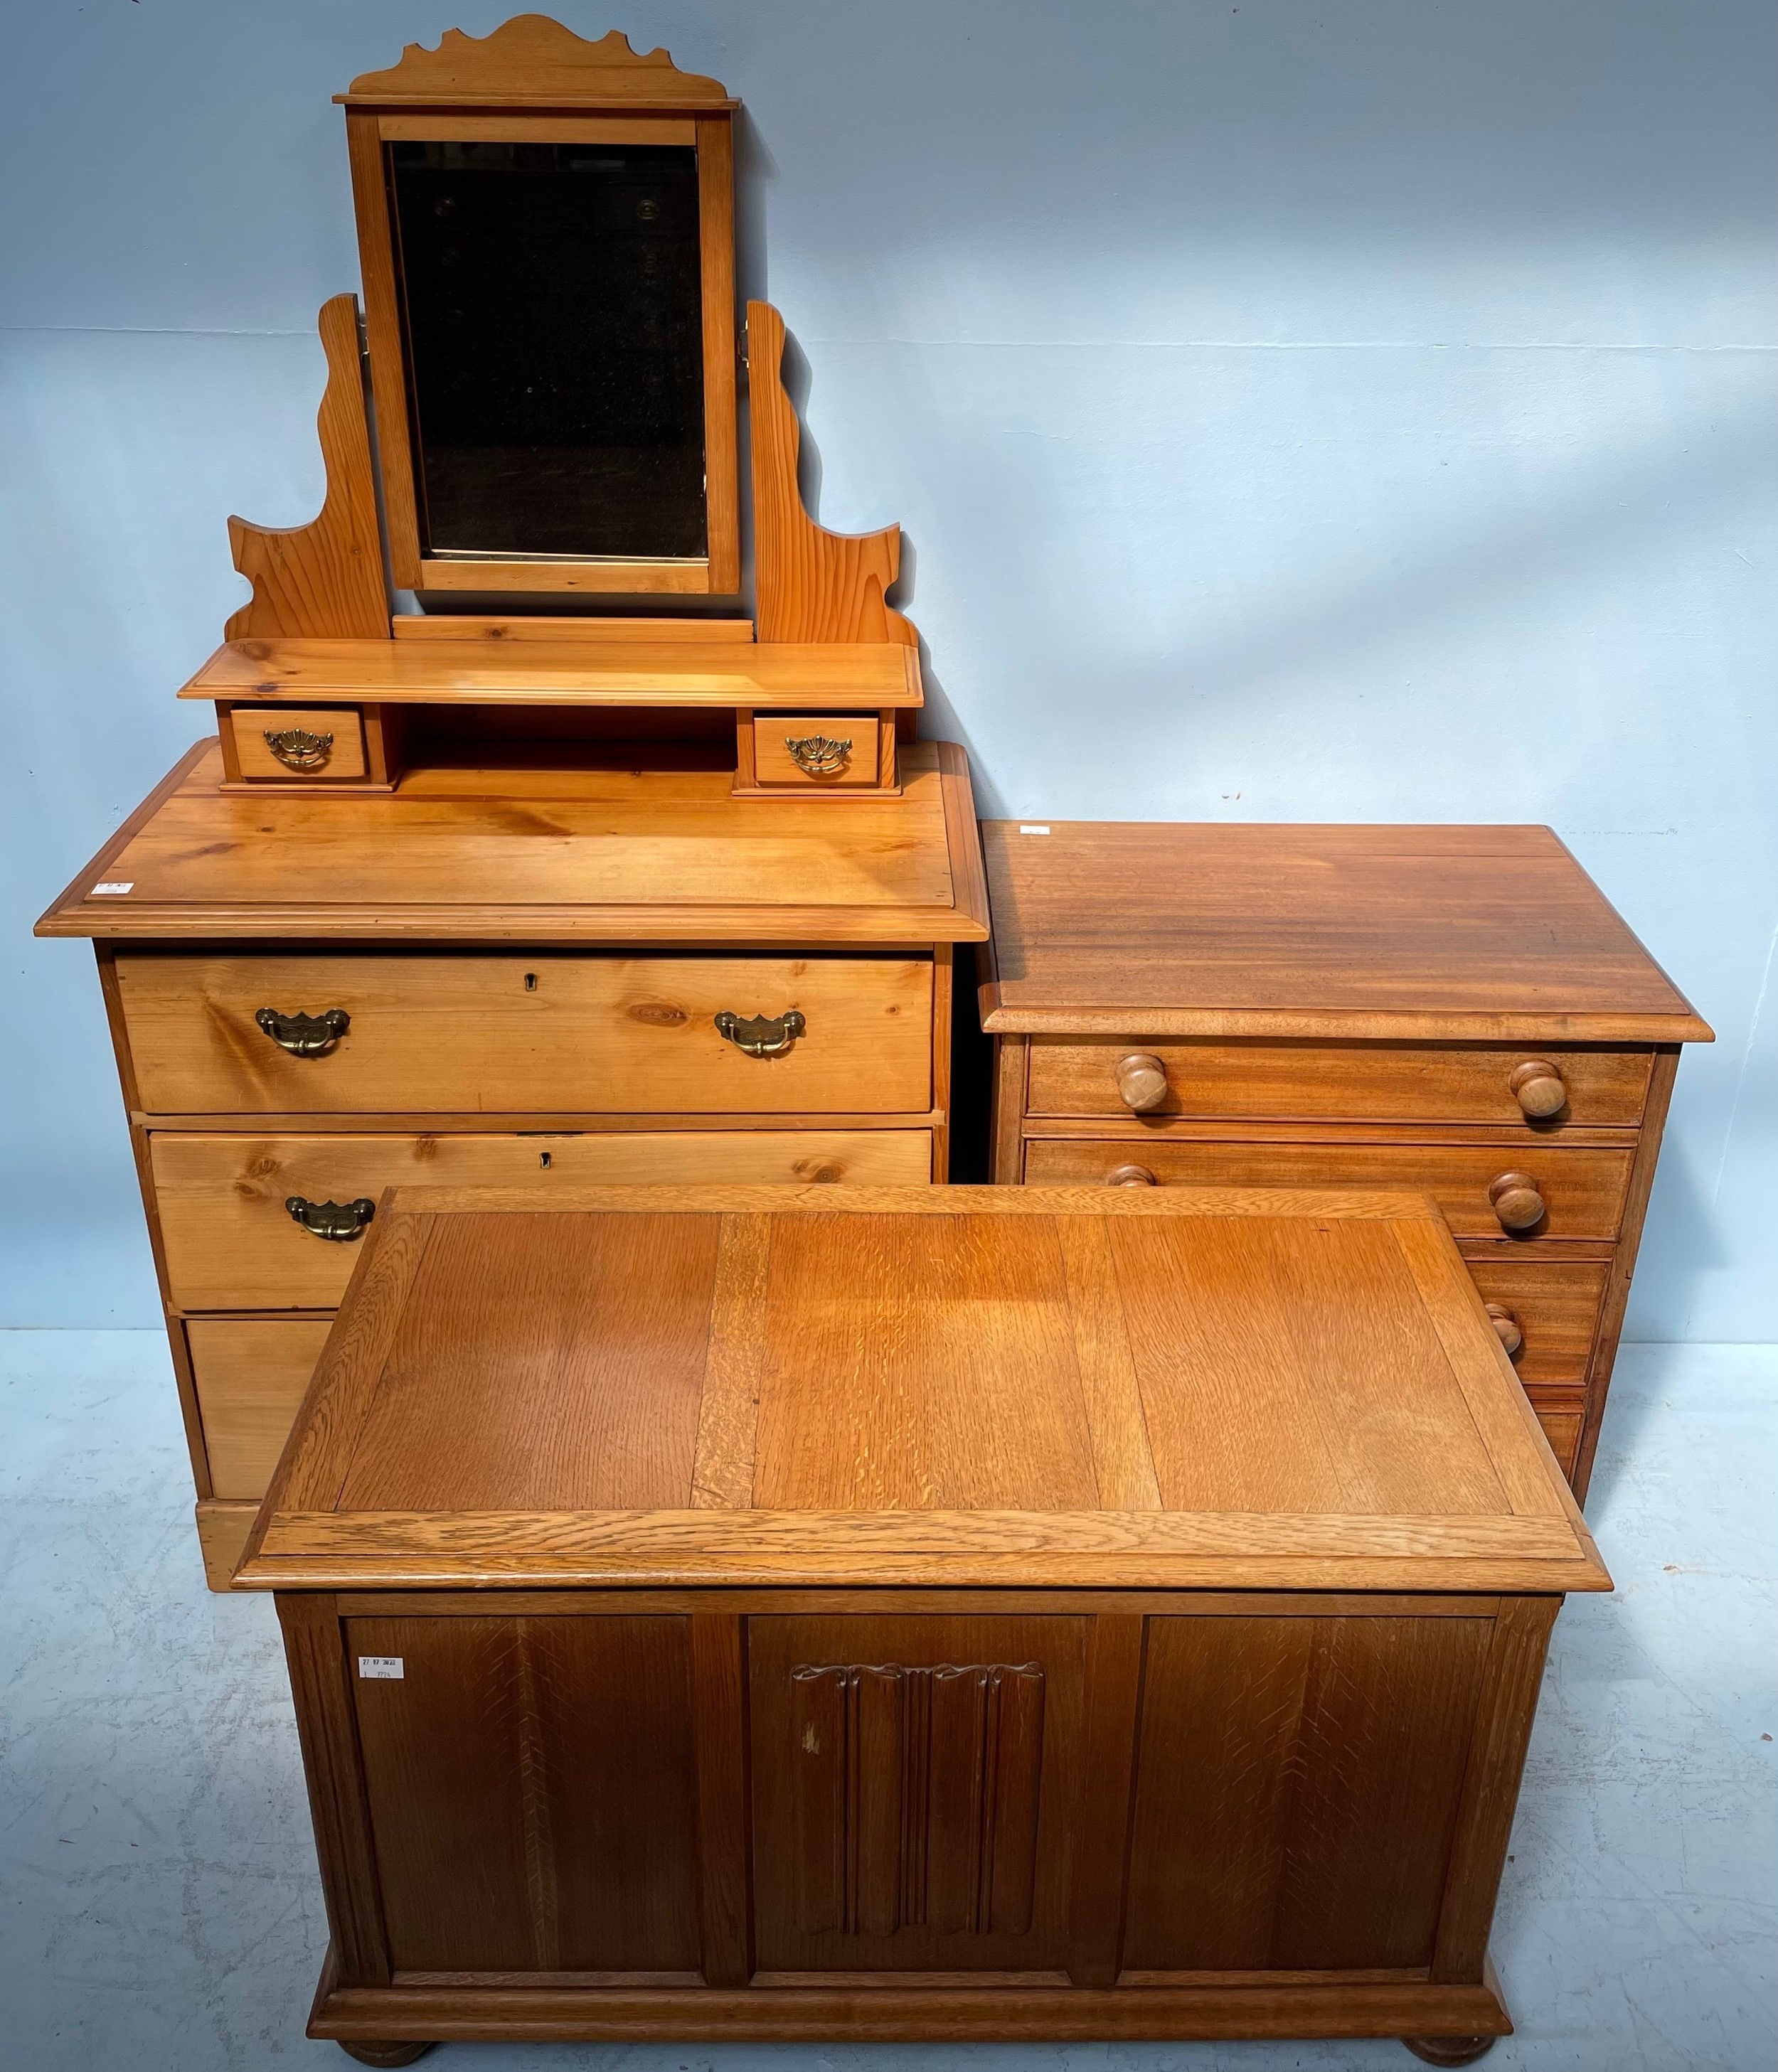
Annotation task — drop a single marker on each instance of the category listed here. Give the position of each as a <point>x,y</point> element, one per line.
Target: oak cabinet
<point>914,1613</point>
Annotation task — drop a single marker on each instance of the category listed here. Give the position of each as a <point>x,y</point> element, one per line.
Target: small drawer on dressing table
<point>286,745</point>
<point>804,755</point>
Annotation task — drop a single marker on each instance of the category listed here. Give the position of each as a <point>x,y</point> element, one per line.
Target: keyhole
<point>530,981</point>
<point>543,1157</point>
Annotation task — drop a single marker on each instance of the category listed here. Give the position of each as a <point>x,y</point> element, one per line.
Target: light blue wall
<point>1296,412</point>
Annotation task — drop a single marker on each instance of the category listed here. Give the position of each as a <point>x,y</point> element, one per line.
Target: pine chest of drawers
<point>530,979</point>
<point>1456,1010</point>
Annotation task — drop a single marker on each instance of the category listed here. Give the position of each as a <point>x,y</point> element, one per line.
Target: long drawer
<point>475,1033</point>
<point>250,1373</point>
<point>231,1243</point>
<point>1350,1082</point>
<point>1583,1190</point>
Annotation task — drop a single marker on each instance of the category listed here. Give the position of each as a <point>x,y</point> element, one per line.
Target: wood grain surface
<point>324,580</point>
<point>859,1384</point>
<point>1258,1081</point>
<point>231,1242</point>
<point>1456,933</point>
<point>545,857</point>
<point>1583,1190</point>
<point>608,668</point>
<point>813,585</point>
<point>531,61</point>
<point>505,1034</point>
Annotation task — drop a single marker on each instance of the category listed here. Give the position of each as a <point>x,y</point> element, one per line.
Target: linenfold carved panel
<point>916,1796</point>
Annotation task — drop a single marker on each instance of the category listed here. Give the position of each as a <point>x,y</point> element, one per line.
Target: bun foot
<point>385,2053</point>
<point>1450,2049</point>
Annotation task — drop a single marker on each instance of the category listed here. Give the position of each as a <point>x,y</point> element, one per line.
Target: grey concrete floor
<point>158,1905</point>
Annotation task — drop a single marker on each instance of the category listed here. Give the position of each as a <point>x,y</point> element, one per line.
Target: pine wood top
<point>542,856</point>
<point>1137,928</point>
<point>964,1386</point>
<point>598,670</point>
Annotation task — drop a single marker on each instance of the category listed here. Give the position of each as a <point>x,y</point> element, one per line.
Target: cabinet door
<point>531,1791</point>
<point>913,1781</point>
<point>1298,1789</point>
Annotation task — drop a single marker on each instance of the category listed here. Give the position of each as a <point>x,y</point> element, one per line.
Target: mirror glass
<point>553,316</point>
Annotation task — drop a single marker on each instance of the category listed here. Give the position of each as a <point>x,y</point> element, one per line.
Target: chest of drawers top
<point>1410,933</point>
<point>567,856</point>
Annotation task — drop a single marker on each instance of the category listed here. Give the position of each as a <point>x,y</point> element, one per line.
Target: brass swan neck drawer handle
<point>1516,1201</point>
<point>1141,1081</point>
<point>1536,1085</point>
<point>1506,1328</point>
<point>762,1035</point>
<point>296,748</point>
<point>340,1222</point>
<point>818,755</point>
<point>304,1035</point>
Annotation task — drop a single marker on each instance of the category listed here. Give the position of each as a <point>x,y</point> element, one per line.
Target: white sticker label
<point>380,1665</point>
<point>128,884</point>
<point>1033,831</point>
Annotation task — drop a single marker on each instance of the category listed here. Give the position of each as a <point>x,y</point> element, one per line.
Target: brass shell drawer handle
<point>340,1222</point>
<point>1516,1202</point>
<point>1141,1081</point>
<point>296,748</point>
<point>762,1035</point>
<point>818,755</point>
<point>1506,1328</point>
<point>1536,1085</point>
<point>304,1035</point>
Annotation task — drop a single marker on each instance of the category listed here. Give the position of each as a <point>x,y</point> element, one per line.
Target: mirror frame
<point>533,81</point>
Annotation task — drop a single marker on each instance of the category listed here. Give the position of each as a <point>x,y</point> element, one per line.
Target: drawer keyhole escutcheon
<point>1516,1201</point>
<point>304,1035</point>
<point>818,755</point>
<point>1506,1328</point>
<point>340,1222</point>
<point>762,1035</point>
<point>296,748</point>
<point>1130,1176</point>
<point>1141,1081</point>
<point>1536,1085</point>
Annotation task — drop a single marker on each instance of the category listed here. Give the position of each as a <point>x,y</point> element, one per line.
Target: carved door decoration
<point>915,1793</point>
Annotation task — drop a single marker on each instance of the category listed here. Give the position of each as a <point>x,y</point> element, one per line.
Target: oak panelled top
<point>1136,928</point>
<point>563,671</point>
<point>540,856</point>
<point>962,1386</point>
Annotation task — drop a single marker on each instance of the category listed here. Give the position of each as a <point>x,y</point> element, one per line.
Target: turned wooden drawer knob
<point>1141,1081</point>
<point>1516,1202</point>
<point>1130,1176</point>
<point>1506,1328</point>
<point>1537,1087</point>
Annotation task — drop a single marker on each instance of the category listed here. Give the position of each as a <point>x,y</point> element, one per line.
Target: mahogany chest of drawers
<point>842,1613</point>
<point>1451,1008</point>
<point>518,978</point>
